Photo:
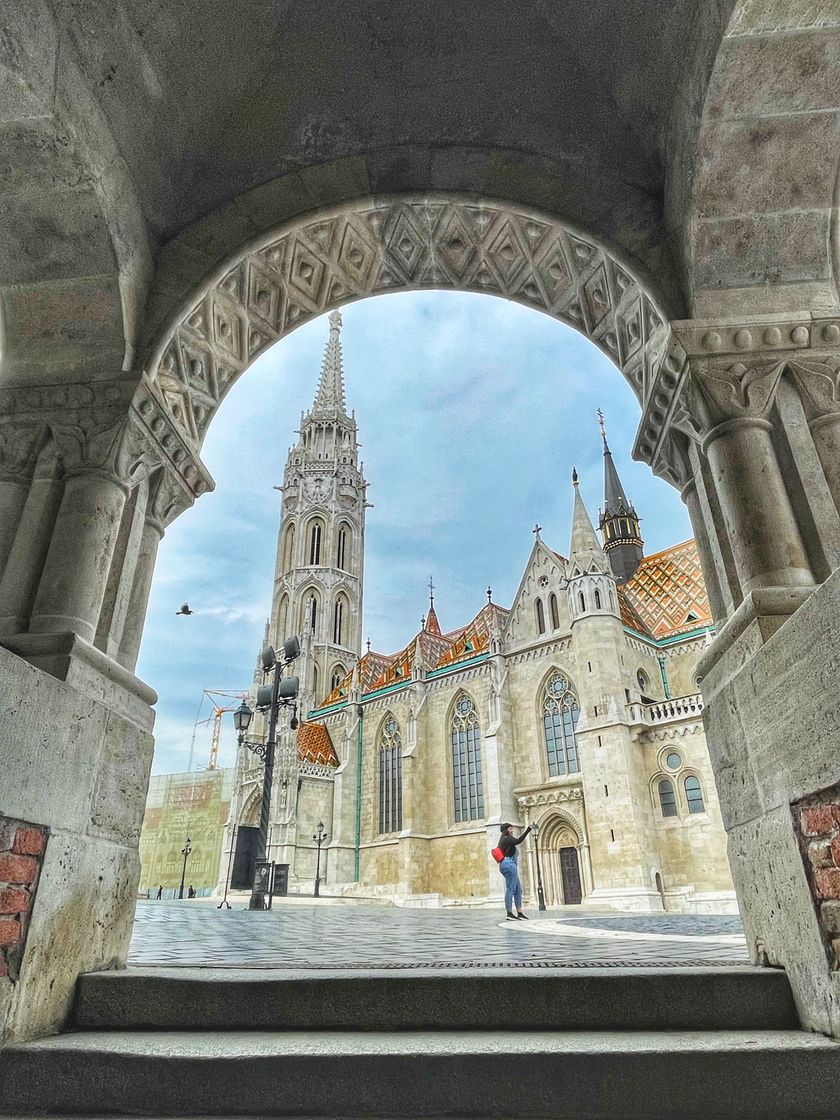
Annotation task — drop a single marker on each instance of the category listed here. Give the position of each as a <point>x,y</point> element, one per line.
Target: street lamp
<point>185,852</point>
<point>319,837</point>
<point>282,692</point>
<point>535,829</point>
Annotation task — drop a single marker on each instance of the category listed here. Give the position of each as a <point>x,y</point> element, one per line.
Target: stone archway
<point>401,243</point>
<point>563,879</point>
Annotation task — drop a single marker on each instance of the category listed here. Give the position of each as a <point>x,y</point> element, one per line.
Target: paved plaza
<point>299,934</point>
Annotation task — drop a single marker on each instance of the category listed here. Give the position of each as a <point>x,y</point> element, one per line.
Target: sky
<point>472,412</point>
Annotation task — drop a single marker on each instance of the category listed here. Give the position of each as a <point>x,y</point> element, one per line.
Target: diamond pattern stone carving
<point>388,244</point>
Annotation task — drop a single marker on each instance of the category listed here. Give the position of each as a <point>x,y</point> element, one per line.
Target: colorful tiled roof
<point>315,745</point>
<point>667,592</point>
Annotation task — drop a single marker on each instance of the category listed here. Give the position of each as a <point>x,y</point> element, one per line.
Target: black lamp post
<point>319,837</point>
<point>185,852</point>
<point>535,829</point>
<point>282,692</point>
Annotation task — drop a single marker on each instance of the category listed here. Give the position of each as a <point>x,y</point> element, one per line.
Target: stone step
<point>427,999</point>
<point>603,1075</point>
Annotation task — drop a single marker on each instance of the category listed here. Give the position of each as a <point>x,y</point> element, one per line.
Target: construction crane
<point>215,717</point>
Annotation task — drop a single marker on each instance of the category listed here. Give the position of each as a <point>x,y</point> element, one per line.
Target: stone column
<point>758,516</point>
<point>141,586</point>
<point>20,444</point>
<point>76,569</point>
<point>19,581</point>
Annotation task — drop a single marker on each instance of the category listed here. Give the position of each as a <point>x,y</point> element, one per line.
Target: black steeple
<point>619,523</point>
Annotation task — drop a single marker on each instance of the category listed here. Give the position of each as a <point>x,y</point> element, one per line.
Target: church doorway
<point>570,876</point>
<point>561,863</point>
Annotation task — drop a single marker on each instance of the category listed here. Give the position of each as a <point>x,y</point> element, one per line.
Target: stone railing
<point>667,711</point>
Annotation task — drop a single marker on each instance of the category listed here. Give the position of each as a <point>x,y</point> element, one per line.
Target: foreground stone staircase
<point>618,1043</point>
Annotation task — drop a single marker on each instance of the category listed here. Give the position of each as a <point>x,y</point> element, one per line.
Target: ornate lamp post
<point>319,837</point>
<point>185,852</point>
<point>535,831</point>
<point>281,693</point>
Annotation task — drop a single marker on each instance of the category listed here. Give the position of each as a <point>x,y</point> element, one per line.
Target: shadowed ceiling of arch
<point>402,243</point>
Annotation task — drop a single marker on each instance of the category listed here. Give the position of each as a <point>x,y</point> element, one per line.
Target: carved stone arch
<point>380,244</point>
<point>287,546</point>
<point>249,817</point>
<point>306,593</point>
<point>344,551</point>
<point>553,822</point>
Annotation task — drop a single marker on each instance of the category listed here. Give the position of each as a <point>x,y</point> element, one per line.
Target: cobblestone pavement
<point>324,936</point>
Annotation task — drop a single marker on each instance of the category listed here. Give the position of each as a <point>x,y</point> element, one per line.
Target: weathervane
<point>600,416</point>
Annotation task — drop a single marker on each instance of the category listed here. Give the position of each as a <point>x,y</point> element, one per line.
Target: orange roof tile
<point>315,745</point>
<point>668,593</point>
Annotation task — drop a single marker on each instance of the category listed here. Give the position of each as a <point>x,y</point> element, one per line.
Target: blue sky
<point>472,412</point>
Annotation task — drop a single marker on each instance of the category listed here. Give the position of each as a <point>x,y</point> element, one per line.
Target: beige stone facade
<point>576,710</point>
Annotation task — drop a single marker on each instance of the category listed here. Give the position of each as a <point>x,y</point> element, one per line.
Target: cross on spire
<point>431,592</point>
<point>537,530</point>
<point>600,416</point>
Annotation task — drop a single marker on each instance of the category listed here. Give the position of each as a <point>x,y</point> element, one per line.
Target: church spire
<point>619,523</point>
<point>432,625</point>
<point>584,545</point>
<point>330,395</point>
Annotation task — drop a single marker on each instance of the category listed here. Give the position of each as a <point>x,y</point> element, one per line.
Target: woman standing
<point>509,867</point>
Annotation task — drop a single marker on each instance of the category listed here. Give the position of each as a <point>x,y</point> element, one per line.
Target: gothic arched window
<point>667,798</point>
<point>338,675</point>
<point>390,777</point>
<point>540,617</point>
<point>560,716</point>
<point>287,561</point>
<point>597,599</point>
<point>467,777</point>
<point>310,608</point>
<point>282,617</point>
<point>338,622</point>
<point>582,601</point>
<point>316,531</point>
<point>553,611</point>
<point>341,548</point>
<point>694,795</point>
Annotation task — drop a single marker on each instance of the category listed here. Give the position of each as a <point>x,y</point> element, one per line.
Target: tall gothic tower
<point>619,522</point>
<point>320,548</point>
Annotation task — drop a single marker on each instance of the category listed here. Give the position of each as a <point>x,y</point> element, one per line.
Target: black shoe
<point>522,917</point>
<point>511,916</point>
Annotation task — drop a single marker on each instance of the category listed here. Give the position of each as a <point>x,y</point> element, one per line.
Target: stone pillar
<point>19,581</point>
<point>20,443</point>
<point>79,559</point>
<point>135,615</point>
<point>759,520</point>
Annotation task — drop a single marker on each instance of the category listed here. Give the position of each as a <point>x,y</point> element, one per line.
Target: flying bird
<point>185,609</point>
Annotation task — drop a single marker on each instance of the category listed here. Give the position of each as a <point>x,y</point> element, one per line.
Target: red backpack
<point>497,854</point>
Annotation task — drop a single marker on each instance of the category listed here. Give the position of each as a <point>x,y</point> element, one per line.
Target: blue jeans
<point>513,888</point>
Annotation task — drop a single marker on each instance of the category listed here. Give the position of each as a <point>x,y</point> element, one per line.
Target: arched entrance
<point>562,857</point>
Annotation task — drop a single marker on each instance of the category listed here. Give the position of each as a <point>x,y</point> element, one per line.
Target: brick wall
<point>817,819</point>
<point>21,854</point>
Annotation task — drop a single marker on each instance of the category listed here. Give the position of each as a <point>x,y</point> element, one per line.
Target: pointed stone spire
<point>584,543</point>
<point>619,523</point>
<point>330,395</point>
<point>432,625</point>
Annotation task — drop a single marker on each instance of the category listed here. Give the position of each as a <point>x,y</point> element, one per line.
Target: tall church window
<point>315,688</point>
<point>311,609</point>
<point>540,617</point>
<point>467,777</point>
<point>338,675</point>
<point>390,777</point>
<point>694,795</point>
<point>288,548</point>
<point>341,549</point>
<point>582,601</point>
<point>667,798</point>
<point>282,617</point>
<point>552,610</point>
<point>315,534</point>
<point>560,715</point>
<point>597,599</point>
<point>338,622</point>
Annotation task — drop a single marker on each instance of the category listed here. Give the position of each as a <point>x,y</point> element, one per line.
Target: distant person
<point>159,894</point>
<point>191,892</point>
<point>509,867</point>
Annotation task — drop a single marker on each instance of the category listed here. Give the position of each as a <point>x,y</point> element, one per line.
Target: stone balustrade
<point>666,711</point>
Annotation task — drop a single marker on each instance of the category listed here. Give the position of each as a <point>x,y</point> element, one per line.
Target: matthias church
<point>575,708</point>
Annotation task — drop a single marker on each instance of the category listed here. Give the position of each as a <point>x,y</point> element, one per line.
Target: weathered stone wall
<point>72,767</point>
<point>773,709</point>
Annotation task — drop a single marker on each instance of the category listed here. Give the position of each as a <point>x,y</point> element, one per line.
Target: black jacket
<point>508,843</point>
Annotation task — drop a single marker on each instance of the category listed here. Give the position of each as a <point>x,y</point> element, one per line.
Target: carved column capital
<point>21,441</point>
<point>713,372</point>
